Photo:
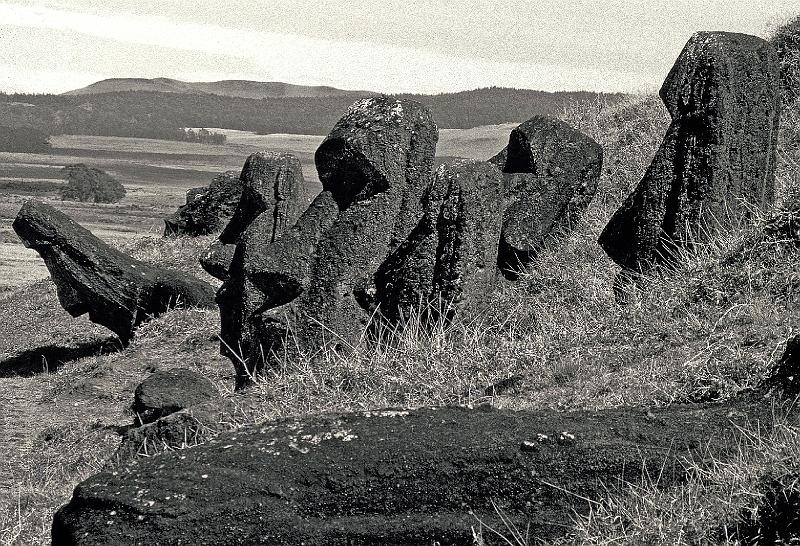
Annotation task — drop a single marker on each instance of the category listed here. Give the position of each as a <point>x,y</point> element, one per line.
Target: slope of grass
<point>706,330</point>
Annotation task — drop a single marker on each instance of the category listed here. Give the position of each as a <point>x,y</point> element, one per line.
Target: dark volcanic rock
<point>261,282</point>
<point>207,209</point>
<point>552,172</point>
<point>194,193</point>
<point>168,391</point>
<point>776,519</point>
<point>174,409</point>
<point>217,259</point>
<point>785,376</point>
<point>92,277</point>
<point>376,163</point>
<point>397,477</point>
<point>271,201</point>
<point>178,430</point>
<point>273,183</point>
<point>717,160</point>
<point>448,260</point>
<point>374,167</point>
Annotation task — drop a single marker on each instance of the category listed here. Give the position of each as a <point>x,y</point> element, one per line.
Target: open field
<point>156,175</point>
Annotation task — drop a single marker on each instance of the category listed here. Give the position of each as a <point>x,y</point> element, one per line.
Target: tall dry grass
<point>556,339</point>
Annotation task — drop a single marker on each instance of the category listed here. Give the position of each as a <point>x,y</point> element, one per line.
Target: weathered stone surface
<point>785,375</point>
<point>717,160</point>
<point>217,259</point>
<point>178,430</point>
<point>448,260</point>
<point>272,199</point>
<point>207,209</point>
<point>376,162</point>
<point>194,193</point>
<point>91,277</point>
<point>264,278</point>
<point>168,391</point>
<point>552,172</point>
<point>374,167</point>
<point>397,477</point>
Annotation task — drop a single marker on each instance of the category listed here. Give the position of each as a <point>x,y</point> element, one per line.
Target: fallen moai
<point>116,290</point>
<point>207,209</point>
<point>399,477</point>
<point>717,160</point>
<point>271,200</point>
<point>374,167</point>
<point>551,175</point>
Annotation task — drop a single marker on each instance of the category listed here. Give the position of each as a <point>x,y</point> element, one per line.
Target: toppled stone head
<point>92,277</point>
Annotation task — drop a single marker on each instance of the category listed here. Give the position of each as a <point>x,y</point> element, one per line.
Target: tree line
<point>23,139</point>
<point>150,114</point>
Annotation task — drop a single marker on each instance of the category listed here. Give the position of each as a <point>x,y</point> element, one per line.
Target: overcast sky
<point>381,45</point>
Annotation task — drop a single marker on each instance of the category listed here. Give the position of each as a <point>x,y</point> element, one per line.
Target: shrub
<point>90,184</point>
<point>23,139</point>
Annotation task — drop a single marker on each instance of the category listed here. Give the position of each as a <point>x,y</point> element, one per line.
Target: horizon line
<point>639,91</point>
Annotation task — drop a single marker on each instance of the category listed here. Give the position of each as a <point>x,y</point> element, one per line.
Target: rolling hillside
<point>228,88</point>
<point>160,114</point>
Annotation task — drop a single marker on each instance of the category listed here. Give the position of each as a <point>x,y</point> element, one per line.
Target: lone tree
<point>90,184</point>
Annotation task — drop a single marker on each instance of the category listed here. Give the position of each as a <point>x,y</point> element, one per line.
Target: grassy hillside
<point>702,332</point>
<point>152,114</point>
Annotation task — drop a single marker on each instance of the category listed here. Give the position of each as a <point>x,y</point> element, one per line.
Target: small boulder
<point>207,209</point>
<point>717,161</point>
<point>116,290</point>
<point>551,175</point>
<point>168,391</point>
<point>173,409</point>
<point>179,430</point>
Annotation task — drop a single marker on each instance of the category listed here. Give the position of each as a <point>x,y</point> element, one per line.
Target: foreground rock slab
<point>717,161</point>
<point>396,477</point>
<point>551,175</point>
<point>91,277</point>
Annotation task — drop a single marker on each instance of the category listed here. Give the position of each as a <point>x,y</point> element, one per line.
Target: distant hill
<point>227,88</point>
<point>158,114</point>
